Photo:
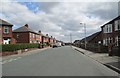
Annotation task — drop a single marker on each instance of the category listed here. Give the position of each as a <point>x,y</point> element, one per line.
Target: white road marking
<point>10,60</point>
<point>14,59</point>
<point>18,58</point>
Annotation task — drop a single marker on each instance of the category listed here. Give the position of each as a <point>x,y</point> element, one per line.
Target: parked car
<point>54,45</point>
<point>58,44</point>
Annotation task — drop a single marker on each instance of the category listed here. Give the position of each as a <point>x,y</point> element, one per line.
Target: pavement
<point>61,61</point>
<point>24,53</point>
<point>112,62</point>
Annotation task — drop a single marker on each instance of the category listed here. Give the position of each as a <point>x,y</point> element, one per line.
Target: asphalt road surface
<point>62,61</point>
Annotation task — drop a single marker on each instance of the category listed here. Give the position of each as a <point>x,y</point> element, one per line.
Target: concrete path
<point>112,61</point>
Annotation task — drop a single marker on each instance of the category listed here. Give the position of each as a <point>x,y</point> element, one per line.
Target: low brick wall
<point>16,52</point>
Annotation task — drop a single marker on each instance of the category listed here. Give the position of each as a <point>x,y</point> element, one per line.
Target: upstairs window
<point>33,35</point>
<point>117,25</point>
<point>107,28</point>
<point>6,29</point>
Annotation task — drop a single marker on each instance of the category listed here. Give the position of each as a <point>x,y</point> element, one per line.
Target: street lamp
<point>84,25</point>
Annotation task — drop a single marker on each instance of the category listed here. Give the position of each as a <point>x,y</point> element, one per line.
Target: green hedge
<point>14,47</point>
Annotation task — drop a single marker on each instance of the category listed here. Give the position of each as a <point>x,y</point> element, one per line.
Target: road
<point>62,61</point>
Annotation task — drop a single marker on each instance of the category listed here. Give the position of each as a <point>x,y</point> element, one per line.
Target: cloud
<point>59,19</point>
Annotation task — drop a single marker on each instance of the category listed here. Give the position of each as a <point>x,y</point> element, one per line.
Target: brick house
<point>6,36</point>
<point>45,39</point>
<point>25,35</point>
<point>94,38</point>
<point>111,32</point>
<point>51,40</point>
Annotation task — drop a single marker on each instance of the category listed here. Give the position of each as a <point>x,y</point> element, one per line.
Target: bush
<point>14,47</point>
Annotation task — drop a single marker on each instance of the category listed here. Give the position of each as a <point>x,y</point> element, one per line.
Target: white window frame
<point>30,35</point>
<point>116,40</point>
<point>33,35</point>
<point>104,42</point>
<point>117,25</point>
<point>109,28</point>
<point>6,27</point>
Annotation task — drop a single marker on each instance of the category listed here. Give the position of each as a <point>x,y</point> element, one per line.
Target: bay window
<point>117,25</point>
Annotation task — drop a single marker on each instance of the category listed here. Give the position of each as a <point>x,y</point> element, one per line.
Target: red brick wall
<point>51,40</point>
<point>97,38</point>
<point>35,37</point>
<point>40,38</point>
<point>4,35</point>
<point>22,37</point>
<point>9,34</point>
<point>113,34</point>
<point>46,39</point>
<point>13,41</point>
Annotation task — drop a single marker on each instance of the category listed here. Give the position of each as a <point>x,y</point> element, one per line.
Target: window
<point>30,35</point>
<point>17,35</point>
<point>110,40</point>
<point>104,29</point>
<point>37,36</point>
<point>116,40</point>
<point>117,25</point>
<point>107,28</point>
<point>106,41</point>
<point>33,35</point>
<point>103,41</point>
<point>6,30</point>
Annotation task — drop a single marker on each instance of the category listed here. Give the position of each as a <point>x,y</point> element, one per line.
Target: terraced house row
<point>22,35</point>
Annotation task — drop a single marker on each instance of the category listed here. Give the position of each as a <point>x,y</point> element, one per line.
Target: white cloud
<point>61,19</point>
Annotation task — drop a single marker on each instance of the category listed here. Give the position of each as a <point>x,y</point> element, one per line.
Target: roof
<point>3,22</point>
<point>24,29</point>
<point>89,38</point>
<point>76,41</point>
<point>111,21</point>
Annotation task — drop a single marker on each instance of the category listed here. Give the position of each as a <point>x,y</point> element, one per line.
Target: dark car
<point>54,45</point>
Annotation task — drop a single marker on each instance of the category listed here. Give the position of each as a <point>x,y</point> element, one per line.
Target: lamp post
<point>84,25</point>
<point>71,38</point>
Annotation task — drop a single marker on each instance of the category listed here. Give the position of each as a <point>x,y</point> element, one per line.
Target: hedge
<point>94,47</point>
<point>15,47</point>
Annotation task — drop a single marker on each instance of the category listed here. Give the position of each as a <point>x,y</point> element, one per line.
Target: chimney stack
<point>46,34</point>
<point>26,25</point>
<point>39,31</point>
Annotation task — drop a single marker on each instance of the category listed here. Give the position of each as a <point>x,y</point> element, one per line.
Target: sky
<point>59,18</point>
